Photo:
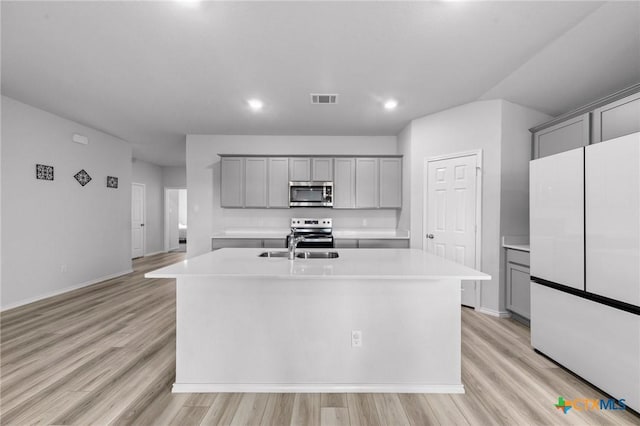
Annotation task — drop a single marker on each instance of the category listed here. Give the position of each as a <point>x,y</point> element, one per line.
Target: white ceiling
<point>151,72</point>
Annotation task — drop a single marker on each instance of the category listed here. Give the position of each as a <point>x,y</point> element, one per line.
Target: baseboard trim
<point>313,388</point>
<point>494,313</point>
<point>154,253</point>
<point>63,290</point>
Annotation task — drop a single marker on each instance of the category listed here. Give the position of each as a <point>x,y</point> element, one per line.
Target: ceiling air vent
<point>324,98</point>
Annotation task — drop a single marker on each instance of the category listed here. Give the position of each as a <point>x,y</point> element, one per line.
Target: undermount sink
<point>302,254</point>
<point>317,255</point>
<point>274,254</point>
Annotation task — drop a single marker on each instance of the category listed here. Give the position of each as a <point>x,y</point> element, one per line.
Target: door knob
<point>429,236</point>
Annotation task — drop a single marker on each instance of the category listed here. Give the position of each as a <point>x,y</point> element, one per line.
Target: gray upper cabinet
<point>300,169</point>
<point>616,119</point>
<point>564,136</point>
<point>367,184</point>
<point>232,182</point>
<point>390,182</point>
<point>358,182</point>
<point>255,182</point>
<point>344,183</point>
<point>278,183</point>
<point>322,169</point>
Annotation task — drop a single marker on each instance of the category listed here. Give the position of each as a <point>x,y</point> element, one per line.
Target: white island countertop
<point>351,263</point>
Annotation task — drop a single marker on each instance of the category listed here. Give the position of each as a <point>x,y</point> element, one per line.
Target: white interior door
<point>137,220</point>
<point>450,214</point>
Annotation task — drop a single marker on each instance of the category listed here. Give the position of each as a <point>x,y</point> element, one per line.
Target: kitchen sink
<point>274,254</point>
<point>317,255</point>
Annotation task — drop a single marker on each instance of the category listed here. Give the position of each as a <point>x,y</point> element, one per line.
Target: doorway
<point>452,213</point>
<point>175,214</point>
<point>138,216</point>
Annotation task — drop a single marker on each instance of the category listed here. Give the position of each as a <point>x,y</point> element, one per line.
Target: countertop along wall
<point>205,215</point>
<point>58,235</point>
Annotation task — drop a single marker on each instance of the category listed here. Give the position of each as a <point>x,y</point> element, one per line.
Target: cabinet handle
<point>430,236</point>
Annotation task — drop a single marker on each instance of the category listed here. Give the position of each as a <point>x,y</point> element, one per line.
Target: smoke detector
<point>324,98</point>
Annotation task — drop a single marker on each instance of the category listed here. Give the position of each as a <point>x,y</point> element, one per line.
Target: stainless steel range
<point>316,232</point>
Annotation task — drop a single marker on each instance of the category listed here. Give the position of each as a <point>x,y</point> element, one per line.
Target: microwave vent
<point>324,98</point>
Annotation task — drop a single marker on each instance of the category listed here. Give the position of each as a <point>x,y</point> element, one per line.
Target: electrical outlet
<point>63,268</point>
<point>356,338</point>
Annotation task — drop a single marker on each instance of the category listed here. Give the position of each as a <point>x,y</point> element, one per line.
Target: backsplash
<point>279,218</point>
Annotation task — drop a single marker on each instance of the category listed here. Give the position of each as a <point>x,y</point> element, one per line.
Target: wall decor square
<point>44,172</point>
<point>82,177</point>
<point>112,182</point>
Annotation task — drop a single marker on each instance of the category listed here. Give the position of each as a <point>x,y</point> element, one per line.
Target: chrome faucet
<point>292,243</point>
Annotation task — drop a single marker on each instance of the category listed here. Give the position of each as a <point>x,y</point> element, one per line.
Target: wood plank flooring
<point>105,354</point>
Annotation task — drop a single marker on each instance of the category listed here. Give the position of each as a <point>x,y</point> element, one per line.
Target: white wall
<point>151,176</point>
<point>500,130</point>
<point>468,127</point>
<point>203,183</point>
<point>58,235</point>
<point>174,177</point>
<point>404,148</point>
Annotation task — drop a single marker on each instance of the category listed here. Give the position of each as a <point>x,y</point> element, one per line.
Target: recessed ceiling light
<point>189,3</point>
<point>255,104</point>
<point>391,104</point>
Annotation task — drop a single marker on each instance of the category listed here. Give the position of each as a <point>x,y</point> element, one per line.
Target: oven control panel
<point>298,222</point>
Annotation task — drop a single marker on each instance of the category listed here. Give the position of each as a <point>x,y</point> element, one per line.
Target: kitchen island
<point>372,320</point>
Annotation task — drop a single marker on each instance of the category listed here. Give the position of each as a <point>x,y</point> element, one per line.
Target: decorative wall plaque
<point>112,182</point>
<point>82,177</point>
<point>44,172</point>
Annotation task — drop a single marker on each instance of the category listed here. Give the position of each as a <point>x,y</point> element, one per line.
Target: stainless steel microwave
<point>310,194</point>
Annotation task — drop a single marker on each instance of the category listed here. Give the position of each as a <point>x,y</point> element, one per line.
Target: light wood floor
<point>105,354</point>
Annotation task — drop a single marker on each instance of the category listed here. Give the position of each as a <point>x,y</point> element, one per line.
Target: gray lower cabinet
<point>616,119</point>
<point>218,243</point>
<point>564,136</point>
<point>383,243</point>
<point>372,243</point>
<point>518,283</point>
<point>345,243</point>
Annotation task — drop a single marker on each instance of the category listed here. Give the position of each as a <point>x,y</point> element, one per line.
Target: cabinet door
<point>345,243</point>
<point>383,243</point>
<point>218,243</point>
<point>232,182</point>
<point>562,137</point>
<point>278,183</point>
<point>617,119</point>
<point>367,184</point>
<point>518,286</point>
<point>300,169</point>
<point>322,169</point>
<point>255,182</point>
<point>390,183</point>
<point>612,173</point>
<point>344,183</point>
<point>557,218</point>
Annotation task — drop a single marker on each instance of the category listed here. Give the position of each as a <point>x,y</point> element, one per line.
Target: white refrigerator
<point>585,263</point>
